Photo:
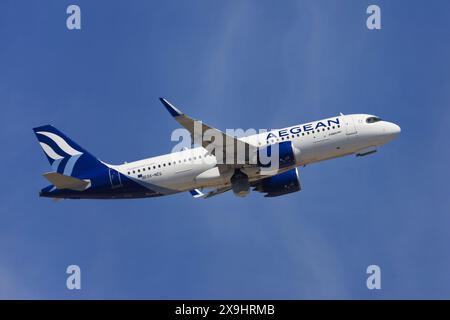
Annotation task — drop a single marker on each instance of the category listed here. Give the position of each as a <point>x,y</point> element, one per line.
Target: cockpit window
<point>372,119</point>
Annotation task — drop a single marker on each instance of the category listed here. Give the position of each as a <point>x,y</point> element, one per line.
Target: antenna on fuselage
<point>341,113</point>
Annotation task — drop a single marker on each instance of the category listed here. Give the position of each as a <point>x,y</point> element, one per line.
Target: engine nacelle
<point>280,184</point>
<point>240,184</point>
<point>287,156</point>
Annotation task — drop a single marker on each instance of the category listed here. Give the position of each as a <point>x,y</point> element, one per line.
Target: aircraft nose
<point>395,129</point>
<point>391,130</point>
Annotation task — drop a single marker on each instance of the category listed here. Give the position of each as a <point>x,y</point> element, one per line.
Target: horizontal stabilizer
<point>61,181</point>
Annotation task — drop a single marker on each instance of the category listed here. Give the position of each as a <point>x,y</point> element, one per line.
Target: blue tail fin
<point>66,156</point>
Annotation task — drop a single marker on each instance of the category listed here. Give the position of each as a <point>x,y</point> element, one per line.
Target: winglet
<point>196,193</point>
<point>172,110</point>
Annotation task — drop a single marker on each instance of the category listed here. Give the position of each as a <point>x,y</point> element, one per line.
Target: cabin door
<point>349,125</point>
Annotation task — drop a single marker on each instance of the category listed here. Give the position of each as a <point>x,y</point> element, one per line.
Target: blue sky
<point>233,64</point>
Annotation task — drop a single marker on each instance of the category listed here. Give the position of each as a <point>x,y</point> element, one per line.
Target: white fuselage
<point>316,141</point>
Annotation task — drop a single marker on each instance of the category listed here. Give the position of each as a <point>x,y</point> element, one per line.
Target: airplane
<point>201,170</point>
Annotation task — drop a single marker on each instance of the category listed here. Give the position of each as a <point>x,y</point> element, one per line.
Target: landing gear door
<point>349,125</point>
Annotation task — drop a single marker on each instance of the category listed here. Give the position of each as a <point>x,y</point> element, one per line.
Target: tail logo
<point>60,163</point>
<point>50,152</point>
<point>61,143</point>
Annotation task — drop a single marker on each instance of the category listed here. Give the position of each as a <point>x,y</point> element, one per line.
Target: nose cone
<point>391,130</point>
<point>395,129</point>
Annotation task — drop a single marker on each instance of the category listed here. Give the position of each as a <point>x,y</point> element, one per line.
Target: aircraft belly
<point>183,178</point>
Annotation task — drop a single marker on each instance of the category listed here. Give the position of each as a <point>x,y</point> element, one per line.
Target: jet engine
<point>240,184</point>
<point>280,184</point>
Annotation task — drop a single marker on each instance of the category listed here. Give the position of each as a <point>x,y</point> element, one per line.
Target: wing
<point>227,149</point>
<point>215,192</point>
